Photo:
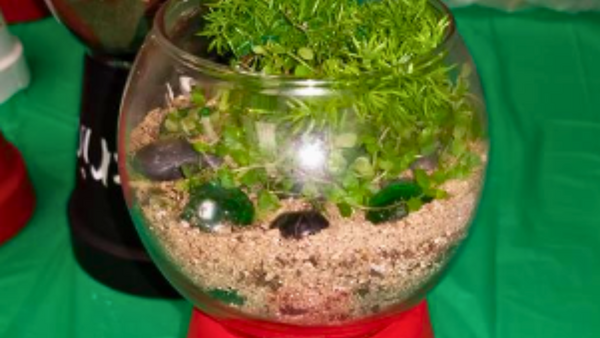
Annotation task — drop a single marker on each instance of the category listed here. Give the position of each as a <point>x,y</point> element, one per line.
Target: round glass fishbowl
<point>295,186</point>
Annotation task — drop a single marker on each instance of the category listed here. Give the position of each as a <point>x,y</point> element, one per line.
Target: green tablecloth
<point>531,268</point>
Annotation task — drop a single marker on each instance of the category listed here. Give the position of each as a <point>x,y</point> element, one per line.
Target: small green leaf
<point>306,53</point>
<point>244,49</point>
<point>363,167</point>
<point>345,209</point>
<point>337,162</point>
<point>422,179</point>
<point>310,190</point>
<point>260,50</point>
<point>441,194</point>
<point>171,126</point>
<point>458,147</point>
<point>372,147</point>
<point>266,38</point>
<point>346,140</point>
<point>350,181</point>
<point>198,98</point>
<point>302,70</point>
<point>355,197</point>
<point>439,177</point>
<point>224,100</point>
<point>188,170</point>
<point>267,202</point>
<point>188,125</point>
<point>414,204</point>
<point>277,48</point>
<point>267,69</point>
<point>226,178</point>
<point>204,112</point>
<point>386,165</point>
<point>239,155</point>
<point>250,178</point>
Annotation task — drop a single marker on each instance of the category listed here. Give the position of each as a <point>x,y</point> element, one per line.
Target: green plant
<point>395,101</point>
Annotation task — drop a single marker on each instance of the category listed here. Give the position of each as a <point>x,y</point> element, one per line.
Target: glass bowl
<point>300,201</point>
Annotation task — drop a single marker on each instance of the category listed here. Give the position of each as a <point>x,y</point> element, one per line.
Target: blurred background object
<point>512,5</point>
<point>17,199</point>
<point>104,240</point>
<point>16,11</point>
<point>112,30</point>
<point>14,74</point>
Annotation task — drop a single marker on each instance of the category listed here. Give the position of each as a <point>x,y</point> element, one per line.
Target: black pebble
<point>162,160</point>
<point>300,224</point>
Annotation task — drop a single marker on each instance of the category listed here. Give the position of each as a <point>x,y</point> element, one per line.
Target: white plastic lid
<point>14,74</point>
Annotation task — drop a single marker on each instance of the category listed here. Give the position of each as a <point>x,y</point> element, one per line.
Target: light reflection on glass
<point>207,210</point>
<point>311,155</point>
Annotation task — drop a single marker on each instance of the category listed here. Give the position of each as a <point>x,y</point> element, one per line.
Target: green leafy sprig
<point>323,38</point>
<point>386,110</point>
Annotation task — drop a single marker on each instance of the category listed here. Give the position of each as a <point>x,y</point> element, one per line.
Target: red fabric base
<point>15,11</point>
<point>411,324</point>
<point>17,199</point>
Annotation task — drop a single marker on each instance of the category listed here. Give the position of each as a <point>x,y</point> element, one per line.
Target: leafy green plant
<point>389,100</point>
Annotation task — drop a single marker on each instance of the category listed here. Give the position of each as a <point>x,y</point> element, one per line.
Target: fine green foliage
<point>382,109</point>
<point>323,38</point>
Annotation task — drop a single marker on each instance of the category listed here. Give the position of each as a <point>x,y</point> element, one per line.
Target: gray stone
<point>163,159</point>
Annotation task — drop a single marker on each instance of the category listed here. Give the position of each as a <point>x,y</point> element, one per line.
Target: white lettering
<point>86,145</point>
<point>102,173</point>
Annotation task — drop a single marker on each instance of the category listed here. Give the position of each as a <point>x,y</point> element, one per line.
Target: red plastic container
<point>16,11</point>
<point>17,200</point>
<point>414,323</point>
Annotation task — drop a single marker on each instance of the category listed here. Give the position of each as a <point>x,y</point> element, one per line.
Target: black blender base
<point>124,269</point>
<point>105,242</point>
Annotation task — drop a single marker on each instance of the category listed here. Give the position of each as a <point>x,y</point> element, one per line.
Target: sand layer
<point>349,270</point>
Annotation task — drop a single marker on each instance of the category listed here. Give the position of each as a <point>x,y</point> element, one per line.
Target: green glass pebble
<point>212,206</point>
<point>205,112</point>
<point>231,297</point>
<point>391,201</point>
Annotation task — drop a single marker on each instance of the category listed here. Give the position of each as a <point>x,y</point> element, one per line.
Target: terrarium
<point>303,163</point>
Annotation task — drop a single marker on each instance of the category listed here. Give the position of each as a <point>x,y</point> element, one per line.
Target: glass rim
<point>218,70</point>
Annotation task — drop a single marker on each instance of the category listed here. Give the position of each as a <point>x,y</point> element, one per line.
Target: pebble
<point>391,201</point>
<point>298,225</point>
<point>426,163</point>
<point>214,208</point>
<point>162,160</point>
